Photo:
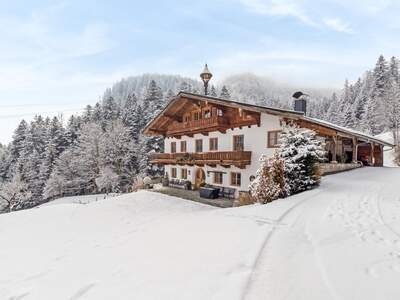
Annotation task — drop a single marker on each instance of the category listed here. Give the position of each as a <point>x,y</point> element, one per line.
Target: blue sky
<point>57,56</point>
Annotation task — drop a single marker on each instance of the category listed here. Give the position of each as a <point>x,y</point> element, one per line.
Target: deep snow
<point>388,153</point>
<point>340,241</point>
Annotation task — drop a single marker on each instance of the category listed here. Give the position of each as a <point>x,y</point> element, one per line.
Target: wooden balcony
<point>224,158</point>
<point>197,126</point>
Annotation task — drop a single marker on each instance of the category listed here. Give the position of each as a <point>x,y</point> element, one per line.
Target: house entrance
<point>200,178</point>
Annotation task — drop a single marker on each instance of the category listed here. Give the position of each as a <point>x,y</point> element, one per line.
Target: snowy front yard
<point>340,241</point>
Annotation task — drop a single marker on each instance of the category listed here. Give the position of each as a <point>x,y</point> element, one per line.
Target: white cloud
<point>288,8</point>
<point>338,25</point>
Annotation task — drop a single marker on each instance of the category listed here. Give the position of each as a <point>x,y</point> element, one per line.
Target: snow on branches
<point>270,183</point>
<point>292,169</point>
<point>14,195</point>
<point>301,151</point>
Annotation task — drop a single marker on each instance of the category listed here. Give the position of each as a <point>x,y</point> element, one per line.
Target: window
<point>199,145</point>
<point>219,112</point>
<point>173,147</point>
<point>183,146</point>
<point>173,172</point>
<point>187,118</point>
<point>207,114</point>
<point>184,173</point>
<point>213,144</point>
<point>218,177</point>
<point>273,138</point>
<point>238,142</point>
<point>236,179</point>
<point>196,116</point>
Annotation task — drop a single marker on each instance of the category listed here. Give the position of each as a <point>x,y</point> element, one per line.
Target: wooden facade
<point>344,146</point>
<point>190,114</point>
<point>225,158</point>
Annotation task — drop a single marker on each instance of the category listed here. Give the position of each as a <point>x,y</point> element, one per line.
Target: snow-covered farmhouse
<point>219,142</point>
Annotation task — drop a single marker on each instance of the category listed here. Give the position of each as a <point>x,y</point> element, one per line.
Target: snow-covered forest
<point>103,149</point>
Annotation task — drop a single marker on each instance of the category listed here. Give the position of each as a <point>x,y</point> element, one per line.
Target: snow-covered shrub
<point>14,195</point>
<point>269,183</point>
<point>108,180</point>
<point>301,151</point>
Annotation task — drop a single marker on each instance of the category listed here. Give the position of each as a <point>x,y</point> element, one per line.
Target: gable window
<point>213,144</point>
<point>236,179</point>
<point>173,147</point>
<point>199,145</point>
<point>218,177</point>
<point>273,138</point>
<point>238,142</point>
<point>173,172</point>
<point>183,146</point>
<point>184,173</point>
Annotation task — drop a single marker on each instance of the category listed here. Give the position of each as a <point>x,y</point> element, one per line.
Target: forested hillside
<point>371,104</point>
<point>103,149</point>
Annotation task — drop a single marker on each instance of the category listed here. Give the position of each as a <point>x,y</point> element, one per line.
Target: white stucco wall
<point>255,140</point>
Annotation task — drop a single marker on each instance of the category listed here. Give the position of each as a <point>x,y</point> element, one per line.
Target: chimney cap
<point>298,95</point>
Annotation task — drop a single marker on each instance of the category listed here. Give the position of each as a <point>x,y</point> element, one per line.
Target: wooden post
<point>355,149</point>
<point>371,154</point>
<point>334,139</point>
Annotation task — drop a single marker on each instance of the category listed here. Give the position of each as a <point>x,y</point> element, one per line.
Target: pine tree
<point>110,110</point>
<point>301,151</point>
<point>225,93</point>
<point>213,91</point>
<point>87,114</point>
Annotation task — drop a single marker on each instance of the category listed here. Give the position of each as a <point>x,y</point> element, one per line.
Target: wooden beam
<point>355,149</point>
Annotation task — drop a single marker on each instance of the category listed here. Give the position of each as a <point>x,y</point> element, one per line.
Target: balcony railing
<point>212,123</point>
<point>208,158</point>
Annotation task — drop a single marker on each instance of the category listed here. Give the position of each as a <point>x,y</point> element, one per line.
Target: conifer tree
<point>213,91</point>
<point>225,93</point>
<point>301,151</point>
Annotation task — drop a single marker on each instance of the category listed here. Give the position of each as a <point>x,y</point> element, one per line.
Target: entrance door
<point>200,177</point>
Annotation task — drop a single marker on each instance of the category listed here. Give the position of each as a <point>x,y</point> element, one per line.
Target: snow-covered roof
<point>348,131</point>
<point>277,111</point>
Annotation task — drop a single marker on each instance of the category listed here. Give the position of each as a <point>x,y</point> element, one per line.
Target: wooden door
<point>200,177</point>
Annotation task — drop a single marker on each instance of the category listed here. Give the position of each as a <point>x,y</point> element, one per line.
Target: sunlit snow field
<point>340,241</point>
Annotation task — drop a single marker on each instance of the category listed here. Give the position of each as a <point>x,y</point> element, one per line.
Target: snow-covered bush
<point>269,183</point>
<point>108,180</point>
<point>301,151</point>
<point>14,195</point>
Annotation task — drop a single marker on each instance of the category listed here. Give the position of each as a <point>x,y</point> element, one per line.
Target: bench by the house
<point>225,192</point>
<point>180,184</point>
